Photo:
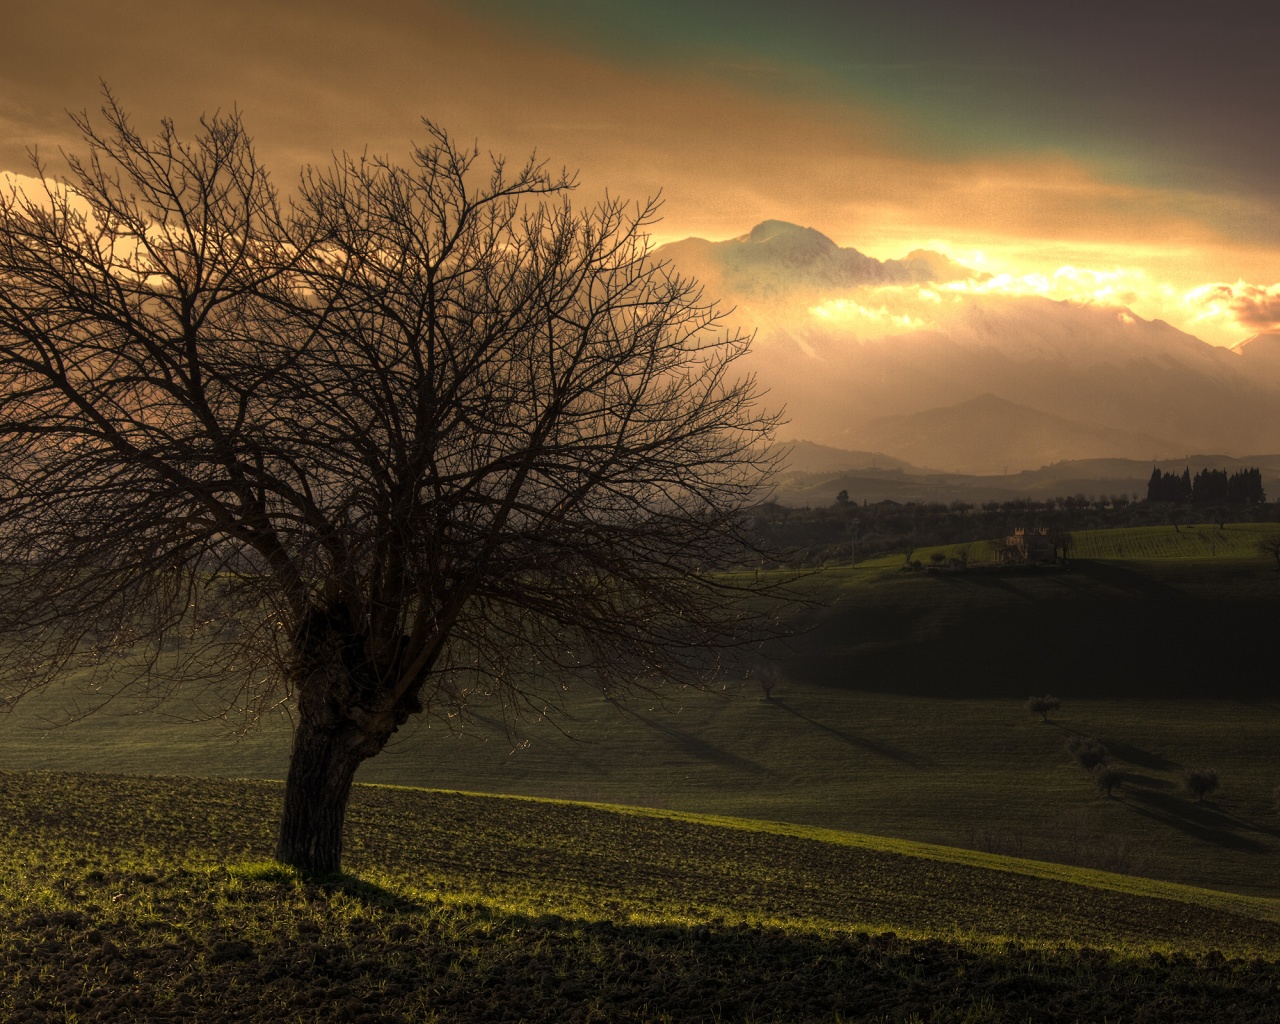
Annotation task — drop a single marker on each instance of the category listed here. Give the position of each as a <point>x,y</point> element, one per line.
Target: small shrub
<point>1116,853</point>
<point>1043,705</point>
<point>1200,782</point>
<point>1106,779</point>
<point>1087,751</point>
<point>997,840</point>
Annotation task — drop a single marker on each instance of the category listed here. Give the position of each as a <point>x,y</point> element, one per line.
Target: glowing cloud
<point>1118,287</point>
<point>1254,307</point>
<point>897,308</point>
<point>850,312</point>
<point>1220,313</point>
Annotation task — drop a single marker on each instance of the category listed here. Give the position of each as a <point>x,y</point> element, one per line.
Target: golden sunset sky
<point>1119,152</point>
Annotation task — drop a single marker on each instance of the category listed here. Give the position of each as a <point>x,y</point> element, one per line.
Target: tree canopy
<point>414,432</point>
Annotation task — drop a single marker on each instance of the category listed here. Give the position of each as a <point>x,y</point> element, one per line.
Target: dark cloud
<point>1255,306</point>
<point>977,122</point>
<point>1180,95</point>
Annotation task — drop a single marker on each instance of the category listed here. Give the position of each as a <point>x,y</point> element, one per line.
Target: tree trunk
<point>344,718</point>
<point>315,797</point>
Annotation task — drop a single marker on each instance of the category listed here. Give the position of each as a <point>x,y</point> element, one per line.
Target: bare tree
<point>1107,779</point>
<point>1200,782</point>
<point>1270,546</point>
<point>423,432</point>
<point>1087,751</point>
<point>1042,706</point>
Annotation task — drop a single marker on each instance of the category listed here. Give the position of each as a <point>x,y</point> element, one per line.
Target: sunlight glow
<point>847,311</point>
<point>1219,313</point>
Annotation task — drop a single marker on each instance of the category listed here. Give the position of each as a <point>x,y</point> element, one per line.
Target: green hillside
<point>899,710</point>
<point>1203,541</point>
<point>1199,542</point>
<point>148,899</point>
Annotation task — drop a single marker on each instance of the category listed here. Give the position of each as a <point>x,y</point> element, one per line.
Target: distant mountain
<point>1089,364</point>
<point>853,347</point>
<point>1090,477</point>
<point>991,435</point>
<point>776,259</point>
<point>1260,355</point>
<point>807,457</point>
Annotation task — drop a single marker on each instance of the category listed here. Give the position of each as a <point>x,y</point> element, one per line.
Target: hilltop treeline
<point>813,536</point>
<point>1207,488</point>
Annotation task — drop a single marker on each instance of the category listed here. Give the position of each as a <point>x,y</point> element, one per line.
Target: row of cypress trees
<point>1207,488</point>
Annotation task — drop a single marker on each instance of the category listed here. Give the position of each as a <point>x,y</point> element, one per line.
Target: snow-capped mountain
<point>892,355</point>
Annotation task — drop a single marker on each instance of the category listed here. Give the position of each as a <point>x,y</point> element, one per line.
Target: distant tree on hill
<point>1209,488</point>
<point>842,498</point>
<point>1170,488</point>
<point>768,680</point>
<point>1087,751</point>
<point>1106,779</point>
<point>1042,706</point>
<point>1270,546</point>
<point>1245,488</point>
<point>1200,782</point>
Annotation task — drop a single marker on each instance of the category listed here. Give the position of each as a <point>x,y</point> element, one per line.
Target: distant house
<point>1026,547</point>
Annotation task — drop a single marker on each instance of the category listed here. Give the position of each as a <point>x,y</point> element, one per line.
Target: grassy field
<point>133,899</point>
<point>1231,542</point>
<point>898,711</point>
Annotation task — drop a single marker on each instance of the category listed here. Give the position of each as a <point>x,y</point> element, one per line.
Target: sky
<point>1121,152</point>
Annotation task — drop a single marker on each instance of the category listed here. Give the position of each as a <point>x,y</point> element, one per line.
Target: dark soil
<point>113,907</point>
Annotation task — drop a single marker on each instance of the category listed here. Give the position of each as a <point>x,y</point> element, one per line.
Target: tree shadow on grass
<point>360,889</point>
<point>861,742</point>
<point>1126,581</point>
<point>1137,756</point>
<point>987,580</point>
<point>1197,820</point>
<point>698,748</point>
<point>1130,779</point>
<point>369,893</point>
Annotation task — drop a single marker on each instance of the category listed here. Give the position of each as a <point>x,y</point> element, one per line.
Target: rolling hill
<point>813,475</point>
<point>987,435</point>
<point>898,710</point>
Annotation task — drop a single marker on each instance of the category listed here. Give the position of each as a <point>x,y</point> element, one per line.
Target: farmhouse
<point>1026,546</point>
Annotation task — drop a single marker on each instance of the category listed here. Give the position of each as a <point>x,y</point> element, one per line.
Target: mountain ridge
<point>846,342</point>
<point>812,475</point>
<point>986,434</point>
